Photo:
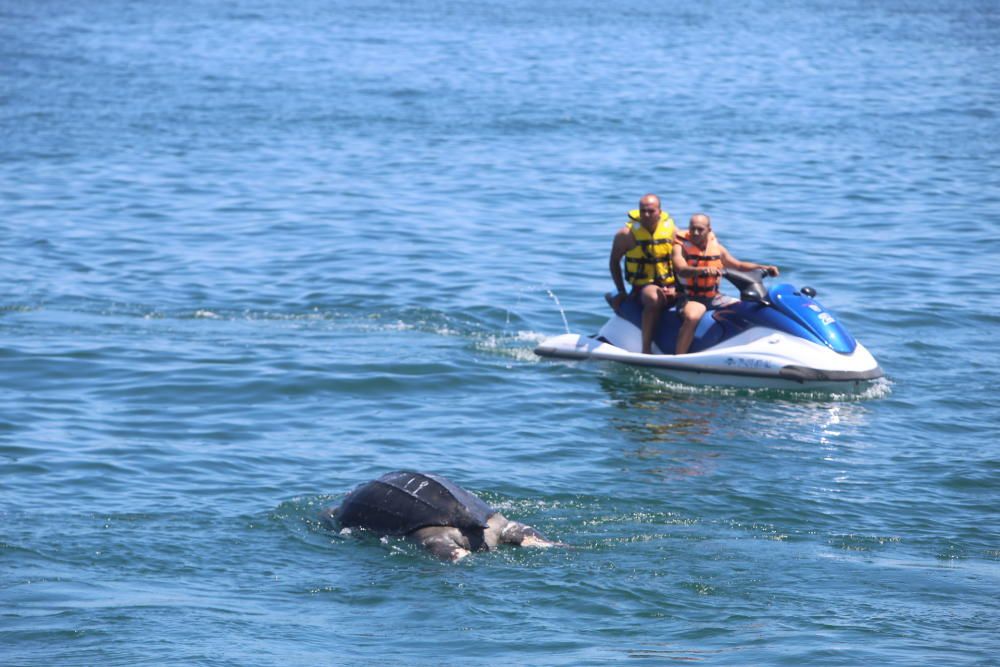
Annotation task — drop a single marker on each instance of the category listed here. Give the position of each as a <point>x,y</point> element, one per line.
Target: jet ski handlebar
<point>749,283</point>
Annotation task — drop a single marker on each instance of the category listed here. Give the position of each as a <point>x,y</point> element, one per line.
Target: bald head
<point>699,229</point>
<point>649,211</point>
<point>701,219</point>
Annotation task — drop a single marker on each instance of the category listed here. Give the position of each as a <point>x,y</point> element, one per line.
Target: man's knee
<point>692,314</point>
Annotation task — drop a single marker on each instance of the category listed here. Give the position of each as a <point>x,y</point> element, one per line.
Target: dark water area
<point>255,254</point>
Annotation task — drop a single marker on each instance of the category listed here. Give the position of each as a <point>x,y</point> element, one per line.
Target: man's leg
<point>652,306</point>
<point>692,315</point>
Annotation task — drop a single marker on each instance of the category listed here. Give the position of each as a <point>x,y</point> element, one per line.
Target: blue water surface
<point>255,253</point>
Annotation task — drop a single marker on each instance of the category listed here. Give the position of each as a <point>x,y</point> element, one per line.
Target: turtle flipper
<point>445,542</point>
<point>522,535</point>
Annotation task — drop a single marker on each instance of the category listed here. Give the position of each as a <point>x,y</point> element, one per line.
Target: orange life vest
<point>711,257</point>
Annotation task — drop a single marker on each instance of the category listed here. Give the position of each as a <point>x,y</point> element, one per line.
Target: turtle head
<point>328,517</point>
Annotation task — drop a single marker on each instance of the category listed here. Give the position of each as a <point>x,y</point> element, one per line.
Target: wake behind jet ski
<point>780,338</point>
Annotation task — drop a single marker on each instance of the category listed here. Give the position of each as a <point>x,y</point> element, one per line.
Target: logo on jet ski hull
<point>748,363</point>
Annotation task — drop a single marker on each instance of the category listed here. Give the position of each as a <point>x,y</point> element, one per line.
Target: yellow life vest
<point>651,260</point>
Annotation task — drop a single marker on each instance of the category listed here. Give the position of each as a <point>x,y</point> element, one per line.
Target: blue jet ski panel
<point>792,312</point>
<point>810,315</point>
<point>721,325</point>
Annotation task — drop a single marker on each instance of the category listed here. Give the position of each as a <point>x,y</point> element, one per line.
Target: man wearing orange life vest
<point>698,262</point>
<point>646,244</point>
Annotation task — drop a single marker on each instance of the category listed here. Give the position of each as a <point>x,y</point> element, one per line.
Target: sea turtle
<point>433,511</point>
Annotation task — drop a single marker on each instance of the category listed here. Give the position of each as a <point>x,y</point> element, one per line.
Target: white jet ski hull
<point>760,357</point>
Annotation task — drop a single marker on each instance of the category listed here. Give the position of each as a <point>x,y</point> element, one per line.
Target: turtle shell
<point>400,502</point>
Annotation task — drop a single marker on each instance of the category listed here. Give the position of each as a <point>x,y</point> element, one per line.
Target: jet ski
<point>780,338</point>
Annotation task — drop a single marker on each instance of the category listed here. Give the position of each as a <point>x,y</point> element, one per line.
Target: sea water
<point>255,253</point>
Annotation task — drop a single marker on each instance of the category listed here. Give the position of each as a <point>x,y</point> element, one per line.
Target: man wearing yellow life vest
<point>698,262</point>
<point>646,243</point>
